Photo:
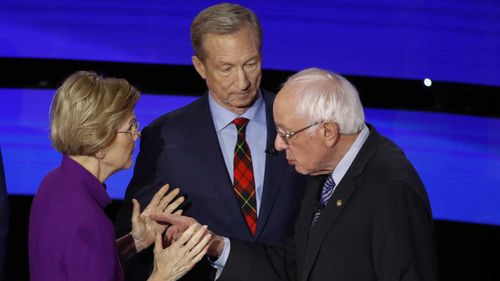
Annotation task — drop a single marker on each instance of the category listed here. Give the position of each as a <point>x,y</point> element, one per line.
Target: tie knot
<point>327,190</point>
<point>241,124</point>
<point>329,181</point>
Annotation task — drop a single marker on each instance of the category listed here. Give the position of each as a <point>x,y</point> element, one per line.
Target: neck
<point>93,165</point>
<point>339,150</point>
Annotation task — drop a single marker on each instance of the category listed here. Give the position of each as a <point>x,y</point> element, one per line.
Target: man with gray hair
<point>365,214</point>
<point>219,149</point>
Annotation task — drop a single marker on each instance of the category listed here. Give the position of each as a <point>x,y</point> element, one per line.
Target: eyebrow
<point>280,127</point>
<point>223,62</point>
<point>253,58</point>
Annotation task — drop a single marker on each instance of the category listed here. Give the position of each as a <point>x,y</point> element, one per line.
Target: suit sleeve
<point>249,261</point>
<point>403,235</point>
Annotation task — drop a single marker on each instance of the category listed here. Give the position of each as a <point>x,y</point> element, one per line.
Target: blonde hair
<point>87,110</point>
<point>222,19</point>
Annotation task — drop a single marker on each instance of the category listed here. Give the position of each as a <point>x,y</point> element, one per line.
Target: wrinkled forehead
<point>285,105</point>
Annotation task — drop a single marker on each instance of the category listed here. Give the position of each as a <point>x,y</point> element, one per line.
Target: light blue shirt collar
<point>348,158</point>
<point>223,117</point>
<point>255,135</point>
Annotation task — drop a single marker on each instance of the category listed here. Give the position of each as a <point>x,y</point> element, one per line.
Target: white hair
<point>326,96</point>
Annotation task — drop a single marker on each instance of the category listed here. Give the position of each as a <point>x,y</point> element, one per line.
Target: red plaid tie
<point>244,183</point>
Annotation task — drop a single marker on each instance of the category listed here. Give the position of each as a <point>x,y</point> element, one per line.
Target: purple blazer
<point>70,236</point>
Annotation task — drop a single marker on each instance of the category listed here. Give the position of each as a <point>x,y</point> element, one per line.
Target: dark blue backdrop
<point>446,40</point>
<point>458,157</point>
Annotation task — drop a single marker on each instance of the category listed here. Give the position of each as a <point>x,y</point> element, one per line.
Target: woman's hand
<point>173,262</point>
<point>143,227</point>
<point>179,224</point>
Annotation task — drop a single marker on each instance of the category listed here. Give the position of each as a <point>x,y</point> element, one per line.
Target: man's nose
<point>279,144</point>
<point>242,81</point>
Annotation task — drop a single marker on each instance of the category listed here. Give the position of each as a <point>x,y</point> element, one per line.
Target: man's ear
<point>330,133</point>
<point>199,66</point>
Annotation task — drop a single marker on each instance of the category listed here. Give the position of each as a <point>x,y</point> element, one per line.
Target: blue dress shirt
<point>256,137</point>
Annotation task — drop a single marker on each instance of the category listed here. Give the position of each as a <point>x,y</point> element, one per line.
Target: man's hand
<point>179,224</point>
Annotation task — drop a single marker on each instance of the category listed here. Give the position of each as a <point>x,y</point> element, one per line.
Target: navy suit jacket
<point>377,226</point>
<point>181,148</point>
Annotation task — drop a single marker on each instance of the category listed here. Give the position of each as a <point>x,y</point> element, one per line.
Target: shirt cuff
<point>125,247</point>
<point>221,261</point>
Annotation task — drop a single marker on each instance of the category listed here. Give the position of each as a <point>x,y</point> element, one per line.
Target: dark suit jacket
<point>181,148</point>
<point>4,218</point>
<point>381,229</point>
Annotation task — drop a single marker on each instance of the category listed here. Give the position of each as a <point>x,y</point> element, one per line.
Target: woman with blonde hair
<point>92,123</point>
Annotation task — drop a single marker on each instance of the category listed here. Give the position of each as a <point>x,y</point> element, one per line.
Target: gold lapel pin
<point>339,203</point>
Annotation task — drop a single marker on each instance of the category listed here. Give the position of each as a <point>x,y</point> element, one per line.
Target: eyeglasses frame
<point>134,129</point>
<point>286,135</point>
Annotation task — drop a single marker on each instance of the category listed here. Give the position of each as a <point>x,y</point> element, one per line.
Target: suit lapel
<point>274,171</point>
<point>326,221</point>
<point>339,200</point>
<point>202,140</point>
<point>302,227</point>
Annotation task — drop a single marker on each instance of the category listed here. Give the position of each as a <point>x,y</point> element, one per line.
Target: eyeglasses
<point>133,129</point>
<point>286,135</point>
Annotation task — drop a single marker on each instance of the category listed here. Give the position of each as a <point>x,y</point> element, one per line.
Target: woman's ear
<point>100,154</point>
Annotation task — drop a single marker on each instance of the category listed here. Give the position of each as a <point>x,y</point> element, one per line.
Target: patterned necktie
<point>244,183</point>
<point>326,193</point>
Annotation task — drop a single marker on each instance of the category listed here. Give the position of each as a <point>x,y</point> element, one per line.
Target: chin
<point>128,165</point>
<point>247,99</point>
<point>301,171</point>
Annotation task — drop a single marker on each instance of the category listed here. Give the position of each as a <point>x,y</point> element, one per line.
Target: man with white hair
<point>365,214</point>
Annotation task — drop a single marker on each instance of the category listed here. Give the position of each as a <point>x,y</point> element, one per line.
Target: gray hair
<point>326,96</point>
<point>222,19</point>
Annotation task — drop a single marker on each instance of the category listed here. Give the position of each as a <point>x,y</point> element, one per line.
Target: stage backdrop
<point>458,157</point>
<point>445,40</point>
